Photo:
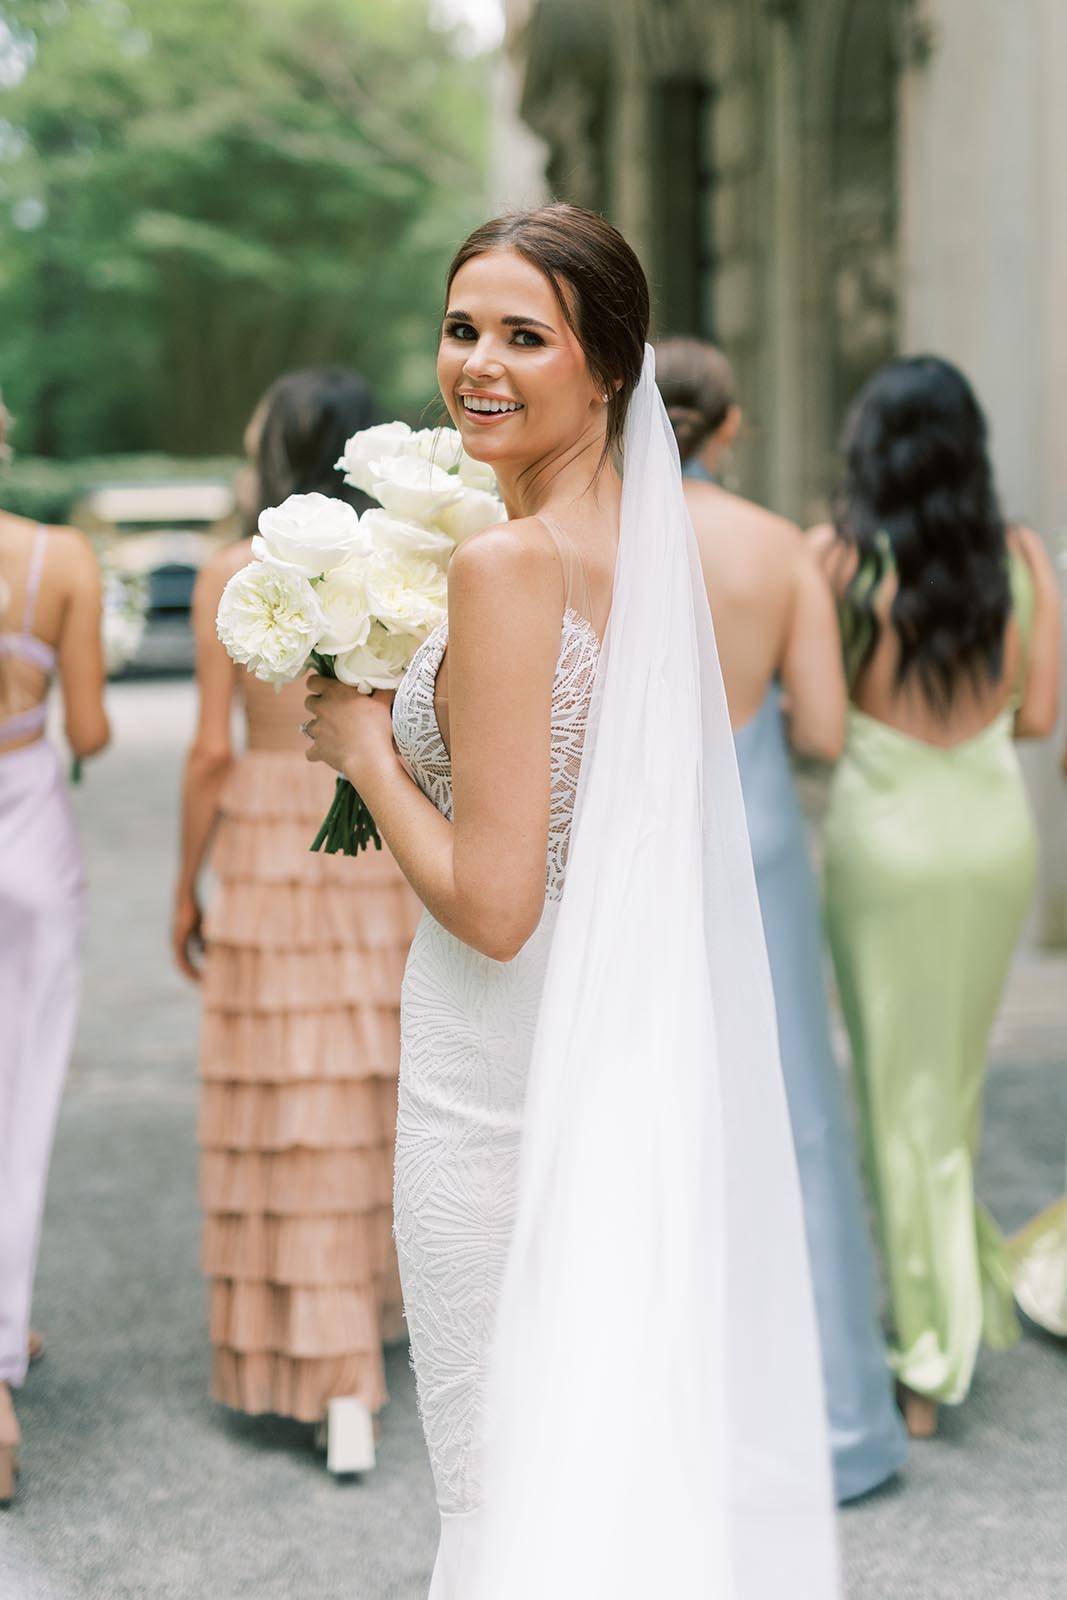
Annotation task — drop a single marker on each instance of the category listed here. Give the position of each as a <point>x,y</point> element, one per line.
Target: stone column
<point>984,270</point>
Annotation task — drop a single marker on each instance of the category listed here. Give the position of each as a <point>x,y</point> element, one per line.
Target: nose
<point>483,360</point>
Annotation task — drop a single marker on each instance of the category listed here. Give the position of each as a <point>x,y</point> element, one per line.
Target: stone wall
<point>877,175</point>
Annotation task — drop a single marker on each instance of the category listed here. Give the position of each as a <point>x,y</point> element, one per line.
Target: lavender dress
<point>41,905</point>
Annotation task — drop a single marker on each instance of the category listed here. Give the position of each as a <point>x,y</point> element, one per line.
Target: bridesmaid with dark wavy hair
<point>951,627</point>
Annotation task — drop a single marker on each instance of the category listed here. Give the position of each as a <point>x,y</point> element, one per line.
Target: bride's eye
<point>524,334</point>
<point>459,330</point>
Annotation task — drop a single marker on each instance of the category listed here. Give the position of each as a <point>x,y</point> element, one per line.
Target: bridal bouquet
<point>125,615</point>
<point>353,597</point>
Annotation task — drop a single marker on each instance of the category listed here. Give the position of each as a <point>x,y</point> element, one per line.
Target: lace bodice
<point>422,749</point>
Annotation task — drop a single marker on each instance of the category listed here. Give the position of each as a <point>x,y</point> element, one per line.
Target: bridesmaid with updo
<point>781,662</point>
<point>299,958</point>
<point>950,620</point>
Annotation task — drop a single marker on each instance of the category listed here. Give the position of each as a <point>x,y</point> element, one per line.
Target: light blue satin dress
<point>866,1432</point>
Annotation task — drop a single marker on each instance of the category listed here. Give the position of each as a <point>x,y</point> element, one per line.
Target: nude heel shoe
<point>10,1439</point>
<point>920,1412</point>
<point>349,1431</point>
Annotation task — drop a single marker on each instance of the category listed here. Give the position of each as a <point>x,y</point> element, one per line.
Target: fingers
<point>183,957</point>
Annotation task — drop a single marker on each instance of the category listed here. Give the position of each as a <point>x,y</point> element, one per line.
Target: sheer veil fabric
<point>657,1423</point>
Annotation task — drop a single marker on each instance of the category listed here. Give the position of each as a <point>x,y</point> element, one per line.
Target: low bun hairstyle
<point>598,281</point>
<point>697,385</point>
<point>918,489</point>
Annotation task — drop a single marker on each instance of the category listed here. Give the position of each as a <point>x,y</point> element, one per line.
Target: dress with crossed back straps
<point>41,911</point>
<point>26,646</point>
<point>467,1028</point>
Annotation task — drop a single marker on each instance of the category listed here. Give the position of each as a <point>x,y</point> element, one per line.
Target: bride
<point>597,1210</point>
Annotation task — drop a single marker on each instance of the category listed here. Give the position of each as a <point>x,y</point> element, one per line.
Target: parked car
<point>161,534</point>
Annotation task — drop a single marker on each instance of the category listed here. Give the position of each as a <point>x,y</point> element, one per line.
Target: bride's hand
<point>349,731</point>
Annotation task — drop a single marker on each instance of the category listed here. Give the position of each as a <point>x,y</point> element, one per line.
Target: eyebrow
<point>508,322</point>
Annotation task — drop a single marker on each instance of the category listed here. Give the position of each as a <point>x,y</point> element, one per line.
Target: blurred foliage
<point>45,490</point>
<point>196,195</point>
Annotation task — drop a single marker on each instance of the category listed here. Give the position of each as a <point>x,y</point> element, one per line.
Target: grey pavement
<point>137,1487</point>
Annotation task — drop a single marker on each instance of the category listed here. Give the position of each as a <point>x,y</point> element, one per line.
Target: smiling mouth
<point>477,406</point>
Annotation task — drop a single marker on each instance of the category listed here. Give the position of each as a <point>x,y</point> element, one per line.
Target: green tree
<point>198,194</point>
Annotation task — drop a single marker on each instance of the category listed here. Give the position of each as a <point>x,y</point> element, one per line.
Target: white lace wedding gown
<point>467,1026</point>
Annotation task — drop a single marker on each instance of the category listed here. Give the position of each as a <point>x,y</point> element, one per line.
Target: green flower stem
<point>348,827</point>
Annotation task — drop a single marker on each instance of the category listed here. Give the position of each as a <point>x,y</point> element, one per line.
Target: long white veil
<point>656,1415</point>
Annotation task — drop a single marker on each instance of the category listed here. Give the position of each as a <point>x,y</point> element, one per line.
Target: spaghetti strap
<point>33,581</point>
<point>577,595</point>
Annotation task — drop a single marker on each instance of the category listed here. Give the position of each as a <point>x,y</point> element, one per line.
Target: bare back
<point>773,616</point>
<point>51,591</point>
<point>875,689</point>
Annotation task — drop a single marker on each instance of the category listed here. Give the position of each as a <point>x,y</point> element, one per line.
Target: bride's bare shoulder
<point>517,555</point>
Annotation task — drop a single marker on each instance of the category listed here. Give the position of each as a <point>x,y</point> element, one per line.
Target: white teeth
<point>473,402</point>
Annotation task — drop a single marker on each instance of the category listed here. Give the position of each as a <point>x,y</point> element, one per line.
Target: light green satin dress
<point>930,860</point>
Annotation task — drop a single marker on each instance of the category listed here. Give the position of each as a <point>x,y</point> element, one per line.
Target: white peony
<point>309,534</point>
<point>342,595</point>
<point>372,444</point>
<point>380,663</point>
<point>269,620</point>
<point>472,513</point>
<point>477,475</point>
<point>442,446</point>
<point>407,594</point>
<point>413,488</point>
<point>394,536</point>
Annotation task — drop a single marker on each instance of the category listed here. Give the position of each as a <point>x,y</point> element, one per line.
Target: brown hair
<point>307,418</point>
<point>608,305</point>
<point>697,385</point>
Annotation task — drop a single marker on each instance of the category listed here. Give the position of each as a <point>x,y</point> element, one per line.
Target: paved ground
<point>137,1488</point>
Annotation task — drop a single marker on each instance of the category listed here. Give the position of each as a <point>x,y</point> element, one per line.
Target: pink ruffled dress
<point>299,1058</point>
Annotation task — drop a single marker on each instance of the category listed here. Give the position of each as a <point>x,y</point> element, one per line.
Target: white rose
<point>476,474</point>
<point>380,663</point>
<point>372,444</point>
<point>407,594</point>
<point>269,620</point>
<point>442,446</point>
<point>472,513</point>
<point>391,536</point>
<point>414,489</point>
<point>342,595</point>
<point>309,534</point>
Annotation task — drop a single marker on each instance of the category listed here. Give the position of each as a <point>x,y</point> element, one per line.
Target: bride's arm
<point>483,875</point>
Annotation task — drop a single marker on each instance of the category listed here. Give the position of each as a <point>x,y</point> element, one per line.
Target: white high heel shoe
<point>349,1436</point>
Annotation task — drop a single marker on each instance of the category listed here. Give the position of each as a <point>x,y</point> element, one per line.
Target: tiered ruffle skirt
<point>299,1057</point>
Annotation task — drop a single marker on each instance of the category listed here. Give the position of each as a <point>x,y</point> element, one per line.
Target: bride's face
<point>512,373</point>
